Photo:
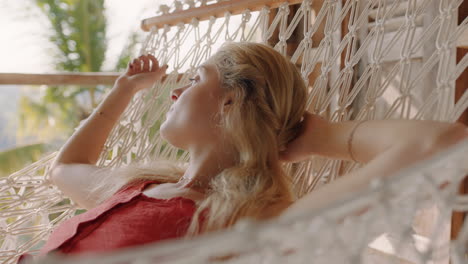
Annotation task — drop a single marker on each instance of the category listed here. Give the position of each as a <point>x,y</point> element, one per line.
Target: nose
<point>175,94</point>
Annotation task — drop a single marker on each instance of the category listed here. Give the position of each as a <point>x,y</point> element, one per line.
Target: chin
<point>163,131</point>
<point>168,136</point>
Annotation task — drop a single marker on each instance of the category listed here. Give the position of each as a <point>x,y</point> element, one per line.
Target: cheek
<point>199,118</point>
<point>193,121</point>
<point>200,109</point>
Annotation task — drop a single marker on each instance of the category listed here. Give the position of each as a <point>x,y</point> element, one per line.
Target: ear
<point>227,101</point>
<point>227,105</point>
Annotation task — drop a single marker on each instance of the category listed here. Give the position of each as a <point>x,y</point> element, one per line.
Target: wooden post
<point>316,39</point>
<point>344,31</point>
<point>295,39</point>
<point>461,86</point>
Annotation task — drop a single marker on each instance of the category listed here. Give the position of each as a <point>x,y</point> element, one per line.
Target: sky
<point>24,45</point>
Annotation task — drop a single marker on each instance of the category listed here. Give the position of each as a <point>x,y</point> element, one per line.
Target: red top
<point>128,218</point>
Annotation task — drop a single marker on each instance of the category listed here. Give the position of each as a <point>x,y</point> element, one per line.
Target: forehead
<point>208,69</point>
<point>201,68</point>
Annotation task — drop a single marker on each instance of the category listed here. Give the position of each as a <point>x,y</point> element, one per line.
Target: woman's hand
<point>142,73</point>
<point>302,147</point>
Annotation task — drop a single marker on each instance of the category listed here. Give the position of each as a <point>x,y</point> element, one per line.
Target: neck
<point>205,163</point>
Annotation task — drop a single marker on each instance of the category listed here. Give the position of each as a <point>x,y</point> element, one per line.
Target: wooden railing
<point>82,78</point>
<point>205,12</point>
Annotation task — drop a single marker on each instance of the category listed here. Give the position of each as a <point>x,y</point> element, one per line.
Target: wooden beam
<point>458,218</point>
<point>82,78</point>
<point>461,85</point>
<point>215,10</point>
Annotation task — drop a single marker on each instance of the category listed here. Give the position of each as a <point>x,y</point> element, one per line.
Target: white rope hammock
<point>399,62</point>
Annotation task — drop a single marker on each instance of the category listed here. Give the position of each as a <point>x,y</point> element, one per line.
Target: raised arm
<point>407,142</point>
<point>371,138</point>
<point>74,171</point>
<point>86,144</point>
<point>374,137</point>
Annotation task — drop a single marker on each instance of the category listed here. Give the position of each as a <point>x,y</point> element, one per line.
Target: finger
<point>283,157</point>
<point>294,151</point>
<point>131,68</point>
<point>286,157</point>
<point>307,115</point>
<point>154,63</point>
<point>137,65</point>
<point>146,63</point>
<point>162,71</point>
<point>142,62</point>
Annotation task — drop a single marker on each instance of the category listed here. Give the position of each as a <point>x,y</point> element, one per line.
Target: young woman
<point>241,115</point>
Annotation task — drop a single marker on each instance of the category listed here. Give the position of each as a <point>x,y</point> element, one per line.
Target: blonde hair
<point>269,102</point>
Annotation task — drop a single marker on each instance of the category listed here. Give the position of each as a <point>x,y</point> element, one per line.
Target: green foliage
<point>51,117</point>
<point>79,36</point>
<point>79,33</point>
<point>13,159</point>
<point>128,52</point>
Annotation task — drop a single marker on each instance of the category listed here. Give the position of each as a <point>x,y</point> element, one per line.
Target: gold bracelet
<point>350,139</point>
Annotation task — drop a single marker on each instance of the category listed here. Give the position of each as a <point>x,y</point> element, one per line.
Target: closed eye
<point>193,80</point>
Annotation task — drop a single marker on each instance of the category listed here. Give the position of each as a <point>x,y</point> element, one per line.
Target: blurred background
<point>48,36</point>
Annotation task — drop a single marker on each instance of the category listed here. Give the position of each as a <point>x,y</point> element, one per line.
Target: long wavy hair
<point>269,102</point>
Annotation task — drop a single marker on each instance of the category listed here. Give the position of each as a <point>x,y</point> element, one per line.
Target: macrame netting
<point>393,59</point>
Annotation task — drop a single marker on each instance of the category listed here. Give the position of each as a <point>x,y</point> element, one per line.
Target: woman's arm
<point>371,138</point>
<point>384,165</point>
<point>86,144</point>
<point>393,159</point>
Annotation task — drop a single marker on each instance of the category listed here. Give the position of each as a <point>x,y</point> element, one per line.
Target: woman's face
<point>193,117</point>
